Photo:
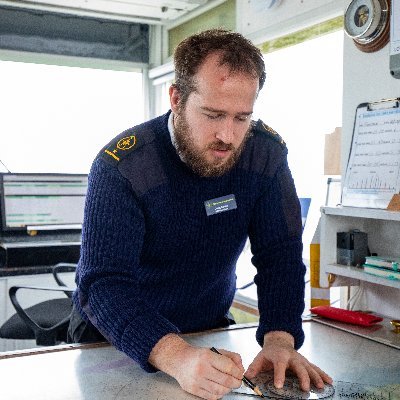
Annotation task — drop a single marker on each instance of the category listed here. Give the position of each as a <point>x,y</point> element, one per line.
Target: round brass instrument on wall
<point>367,22</point>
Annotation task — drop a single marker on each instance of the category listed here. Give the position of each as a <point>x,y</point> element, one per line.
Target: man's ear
<point>174,98</point>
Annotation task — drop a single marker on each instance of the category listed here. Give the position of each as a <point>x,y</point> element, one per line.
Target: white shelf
<point>360,212</point>
<point>359,274</point>
<point>382,227</point>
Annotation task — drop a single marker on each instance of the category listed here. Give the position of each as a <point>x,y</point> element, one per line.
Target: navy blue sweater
<point>152,261</point>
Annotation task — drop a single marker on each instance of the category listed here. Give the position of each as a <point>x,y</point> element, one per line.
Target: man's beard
<point>196,159</point>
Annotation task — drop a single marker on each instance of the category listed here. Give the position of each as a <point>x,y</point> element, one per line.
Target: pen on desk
<point>245,380</point>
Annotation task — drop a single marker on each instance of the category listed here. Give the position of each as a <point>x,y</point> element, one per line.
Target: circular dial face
<point>361,18</point>
<point>365,20</point>
<point>291,390</point>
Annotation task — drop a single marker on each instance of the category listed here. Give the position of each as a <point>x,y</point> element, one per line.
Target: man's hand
<point>198,370</point>
<point>278,353</point>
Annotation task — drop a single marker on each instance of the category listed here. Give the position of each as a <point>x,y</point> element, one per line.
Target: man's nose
<point>226,131</point>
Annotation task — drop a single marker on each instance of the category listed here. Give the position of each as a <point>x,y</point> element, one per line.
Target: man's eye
<point>243,118</point>
<point>213,116</point>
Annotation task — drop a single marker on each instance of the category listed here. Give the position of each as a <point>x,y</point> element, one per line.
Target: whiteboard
<point>372,173</point>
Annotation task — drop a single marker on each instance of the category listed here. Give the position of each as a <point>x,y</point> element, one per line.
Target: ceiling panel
<point>146,11</point>
<point>45,32</point>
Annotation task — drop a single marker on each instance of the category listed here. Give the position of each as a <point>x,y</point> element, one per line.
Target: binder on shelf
<point>385,273</point>
<point>392,263</point>
<point>373,170</point>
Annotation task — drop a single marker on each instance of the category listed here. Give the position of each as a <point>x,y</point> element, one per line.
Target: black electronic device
<point>352,247</point>
<point>41,218</point>
<point>31,202</point>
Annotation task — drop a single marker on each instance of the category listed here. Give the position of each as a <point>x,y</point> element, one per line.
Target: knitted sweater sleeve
<point>112,238</point>
<point>275,236</point>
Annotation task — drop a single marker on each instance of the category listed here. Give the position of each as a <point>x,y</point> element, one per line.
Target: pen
<point>245,380</point>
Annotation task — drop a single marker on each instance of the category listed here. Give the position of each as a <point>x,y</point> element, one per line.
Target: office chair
<point>46,322</point>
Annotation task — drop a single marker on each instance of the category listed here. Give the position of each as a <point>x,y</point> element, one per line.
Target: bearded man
<point>169,207</point>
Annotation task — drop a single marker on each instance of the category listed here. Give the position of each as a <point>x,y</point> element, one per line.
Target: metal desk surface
<point>103,373</point>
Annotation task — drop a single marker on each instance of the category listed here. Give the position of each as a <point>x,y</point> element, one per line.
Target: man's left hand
<point>278,353</point>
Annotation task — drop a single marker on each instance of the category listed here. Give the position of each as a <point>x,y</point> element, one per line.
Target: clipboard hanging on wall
<point>373,170</point>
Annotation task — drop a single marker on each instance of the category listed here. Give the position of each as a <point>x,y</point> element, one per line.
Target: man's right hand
<point>198,370</point>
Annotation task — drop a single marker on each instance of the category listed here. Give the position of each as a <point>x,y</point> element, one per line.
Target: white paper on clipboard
<point>373,171</point>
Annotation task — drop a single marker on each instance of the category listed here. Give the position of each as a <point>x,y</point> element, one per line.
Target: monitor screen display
<point>42,201</point>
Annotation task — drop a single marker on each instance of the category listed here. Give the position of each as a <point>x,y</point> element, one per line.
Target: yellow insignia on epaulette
<point>124,144</point>
<point>275,135</point>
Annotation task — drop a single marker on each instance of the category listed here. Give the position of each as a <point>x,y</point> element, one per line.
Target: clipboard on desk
<point>373,170</point>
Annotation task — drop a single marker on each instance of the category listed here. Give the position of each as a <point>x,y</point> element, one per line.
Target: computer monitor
<point>41,201</point>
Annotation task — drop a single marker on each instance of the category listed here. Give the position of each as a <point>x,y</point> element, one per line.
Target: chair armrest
<point>22,313</point>
<point>60,268</point>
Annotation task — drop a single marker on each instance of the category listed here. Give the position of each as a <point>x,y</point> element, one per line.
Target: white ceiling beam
<point>146,11</point>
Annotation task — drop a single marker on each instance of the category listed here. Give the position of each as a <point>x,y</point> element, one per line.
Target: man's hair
<point>237,52</point>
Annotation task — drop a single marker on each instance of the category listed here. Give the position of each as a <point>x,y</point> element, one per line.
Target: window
<point>302,101</point>
<point>57,118</point>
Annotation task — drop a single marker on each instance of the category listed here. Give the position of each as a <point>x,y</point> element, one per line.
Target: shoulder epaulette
<point>263,127</point>
<point>120,147</point>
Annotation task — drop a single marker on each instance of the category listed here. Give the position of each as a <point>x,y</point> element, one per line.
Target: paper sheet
<point>372,175</point>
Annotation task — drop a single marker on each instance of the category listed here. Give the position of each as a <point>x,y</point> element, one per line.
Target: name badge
<point>220,204</point>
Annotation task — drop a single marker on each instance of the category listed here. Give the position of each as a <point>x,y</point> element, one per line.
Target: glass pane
<point>302,101</point>
<point>56,118</point>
